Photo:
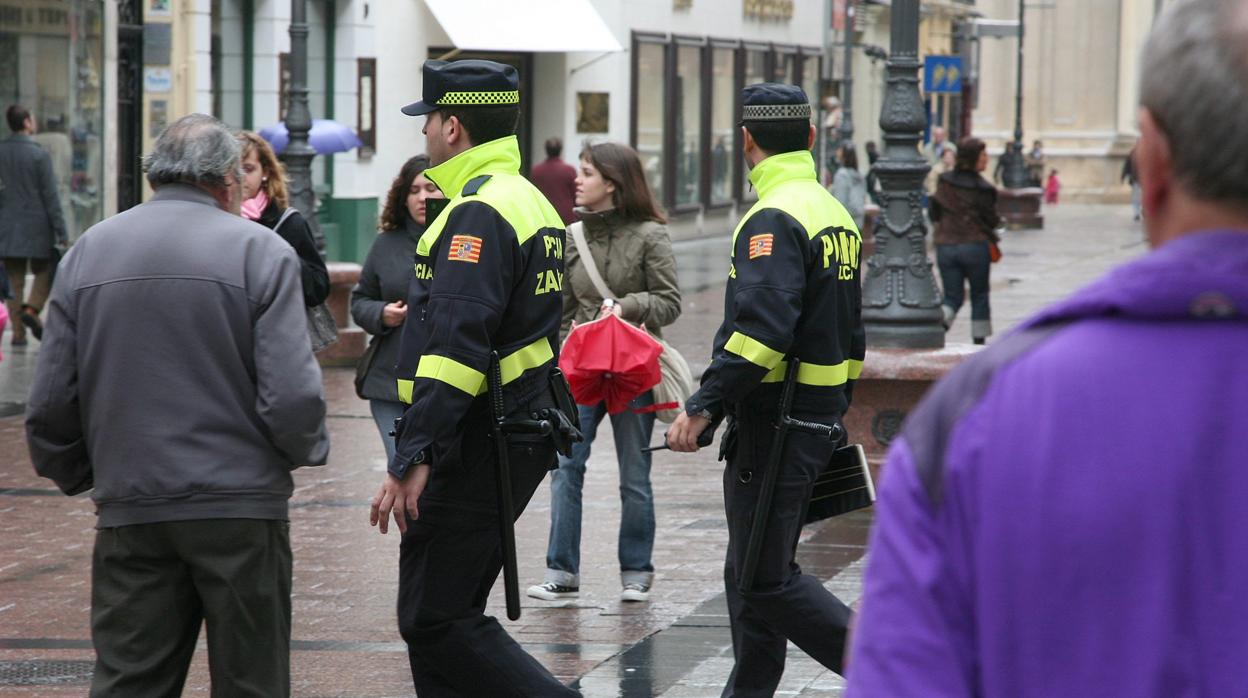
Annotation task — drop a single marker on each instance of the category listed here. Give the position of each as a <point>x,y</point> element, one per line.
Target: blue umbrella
<point>325,137</point>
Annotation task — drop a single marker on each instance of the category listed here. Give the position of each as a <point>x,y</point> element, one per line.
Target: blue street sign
<point>942,74</point>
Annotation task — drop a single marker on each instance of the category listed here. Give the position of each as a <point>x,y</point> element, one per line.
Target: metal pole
<point>901,303</point>
<point>847,77</point>
<point>298,154</point>
<point>1014,172</point>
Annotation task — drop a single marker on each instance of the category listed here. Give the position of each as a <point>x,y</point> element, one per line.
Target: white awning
<point>537,26</point>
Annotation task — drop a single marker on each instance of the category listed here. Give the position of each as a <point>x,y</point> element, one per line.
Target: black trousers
<point>783,603</point>
<point>449,560</point>
<point>153,585</point>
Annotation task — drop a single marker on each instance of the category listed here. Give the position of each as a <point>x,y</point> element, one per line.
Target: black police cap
<point>467,83</point>
<point>774,101</point>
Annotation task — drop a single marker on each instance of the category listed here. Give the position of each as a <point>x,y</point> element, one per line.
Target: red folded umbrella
<point>610,360</point>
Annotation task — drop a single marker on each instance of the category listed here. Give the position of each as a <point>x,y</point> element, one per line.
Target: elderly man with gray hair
<point>176,384</point>
<point>1064,514</point>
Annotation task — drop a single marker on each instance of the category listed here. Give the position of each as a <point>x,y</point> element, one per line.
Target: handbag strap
<point>290,211</point>
<point>591,267</point>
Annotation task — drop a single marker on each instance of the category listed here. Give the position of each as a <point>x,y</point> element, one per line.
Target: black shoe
<point>553,592</point>
<point>30,318</point>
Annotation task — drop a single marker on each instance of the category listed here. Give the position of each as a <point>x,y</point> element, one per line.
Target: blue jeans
<point>959,264</point>
<point>384,413</point>
<point>631,432</point>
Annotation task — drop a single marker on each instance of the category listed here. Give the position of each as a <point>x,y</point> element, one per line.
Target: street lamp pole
<point>1014,174</point>
<point>299,153</point>
<point>847,77</point>
<point>901,304</point>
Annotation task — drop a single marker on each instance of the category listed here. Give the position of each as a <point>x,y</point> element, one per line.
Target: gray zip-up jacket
<point>175,376</point>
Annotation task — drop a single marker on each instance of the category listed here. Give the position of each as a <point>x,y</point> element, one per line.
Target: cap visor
<point>419,109</point>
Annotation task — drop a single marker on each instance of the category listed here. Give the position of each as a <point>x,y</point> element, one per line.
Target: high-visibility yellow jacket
<point>488,276</point>
<point>793,291</point>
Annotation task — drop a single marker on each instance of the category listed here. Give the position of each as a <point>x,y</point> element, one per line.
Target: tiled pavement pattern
<point>345,640</point>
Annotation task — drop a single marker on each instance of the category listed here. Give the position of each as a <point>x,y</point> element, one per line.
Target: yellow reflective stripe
<point>470,380</point>
<point>815,374</point>
<point>451,372</point>
<point>753,350</point>
<point>855,369</point>
<point>521,360</point>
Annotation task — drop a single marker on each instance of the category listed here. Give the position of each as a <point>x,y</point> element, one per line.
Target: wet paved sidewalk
<point>345,642</point>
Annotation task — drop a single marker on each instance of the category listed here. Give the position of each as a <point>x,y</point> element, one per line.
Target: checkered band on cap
<point>774,112</point>
<point>480,98</point>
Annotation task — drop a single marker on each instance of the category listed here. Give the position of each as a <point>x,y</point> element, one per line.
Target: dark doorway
<point>129,102</point>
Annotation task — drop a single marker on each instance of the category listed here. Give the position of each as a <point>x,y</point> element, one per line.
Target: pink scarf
<point>253,207</point>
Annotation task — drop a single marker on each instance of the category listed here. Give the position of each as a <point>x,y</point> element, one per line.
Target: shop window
<point>649,85</point>
<point>688,125</point>
<point>724,96</point>
<point>755,71</point>
<point>52,62</point>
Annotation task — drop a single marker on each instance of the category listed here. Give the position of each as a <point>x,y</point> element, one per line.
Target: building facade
<point>1080,87</point>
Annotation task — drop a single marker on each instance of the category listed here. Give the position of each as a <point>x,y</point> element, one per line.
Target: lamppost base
<point>1020,208</point>
<point>907,334</point>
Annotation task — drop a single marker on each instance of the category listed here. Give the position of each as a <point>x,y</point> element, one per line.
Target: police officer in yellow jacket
<point>487,278</point>
<point>793,293</point>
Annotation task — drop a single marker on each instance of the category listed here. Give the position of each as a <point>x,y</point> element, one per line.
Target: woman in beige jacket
<point>627,238</point>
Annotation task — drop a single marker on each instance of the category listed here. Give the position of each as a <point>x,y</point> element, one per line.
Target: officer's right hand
<point>398,498</point>
<point>684,432</point>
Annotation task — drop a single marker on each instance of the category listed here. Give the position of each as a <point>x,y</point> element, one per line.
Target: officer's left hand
<point>684,433</point>
<point>398,497</point>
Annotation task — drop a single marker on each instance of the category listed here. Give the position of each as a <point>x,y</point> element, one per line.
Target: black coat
<point>30,209</point>
<point>384,279</point>
<point>298,234</point>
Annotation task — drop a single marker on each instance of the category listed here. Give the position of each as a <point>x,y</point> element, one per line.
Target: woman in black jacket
<point>379,300</point>
<point>265,201</point>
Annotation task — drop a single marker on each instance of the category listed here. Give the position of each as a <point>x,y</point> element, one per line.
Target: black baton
<point>762,508</point>
<point>506,508</point>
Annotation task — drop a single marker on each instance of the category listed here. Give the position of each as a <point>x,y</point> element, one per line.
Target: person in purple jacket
<point>1064,514</point>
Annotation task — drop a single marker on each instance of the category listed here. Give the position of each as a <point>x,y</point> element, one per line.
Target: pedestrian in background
<point>1035,164</point>
<point>873,179</point>
<point>379,299</point>
<point>964,210</point>
<point>948,159</point>
<point>1052,188</point>
<point>265,201</point>
<point>30,222</point>
<point>1063,514</point>
<point>176,383</point>
<point>849,186</point>
<point>625,232</point>
<point>937,146</point>
<point>794,294</point>
<point>1130,177</point>
<point>557,180</point>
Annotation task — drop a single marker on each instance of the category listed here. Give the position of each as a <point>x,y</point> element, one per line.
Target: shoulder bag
<point>322,330</point>
<point>677,379</point>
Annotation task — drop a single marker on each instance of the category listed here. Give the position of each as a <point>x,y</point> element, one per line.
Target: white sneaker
<point>553,592</point>
<point>635,591</point>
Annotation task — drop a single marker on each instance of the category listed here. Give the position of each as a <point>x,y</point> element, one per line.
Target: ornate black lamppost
<point>1014,168</point>
<point>298,154</point>
<point>901,304</point>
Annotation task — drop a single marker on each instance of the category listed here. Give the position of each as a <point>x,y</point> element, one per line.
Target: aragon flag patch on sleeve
<point>760,245</point>
<point>465,248</point>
